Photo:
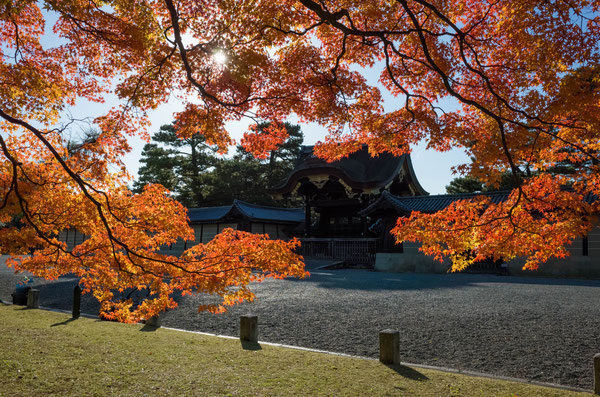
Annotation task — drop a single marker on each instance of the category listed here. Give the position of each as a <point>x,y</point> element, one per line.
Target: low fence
<point>354,250</point>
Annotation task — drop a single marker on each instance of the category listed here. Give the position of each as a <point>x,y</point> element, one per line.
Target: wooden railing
<point>353,250</point>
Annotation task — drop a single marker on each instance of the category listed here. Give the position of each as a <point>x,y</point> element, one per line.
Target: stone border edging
<point>308,349</point>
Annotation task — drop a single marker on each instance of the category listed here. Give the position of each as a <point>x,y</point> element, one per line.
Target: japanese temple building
<point>335,193</point>
<point>207,222</point>
<point>349,208</point>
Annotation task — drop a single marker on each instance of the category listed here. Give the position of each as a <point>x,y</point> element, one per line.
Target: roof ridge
<point>434,196</point>
<point>360,170</point>
<point>265,206</point>
<point>213,207</point>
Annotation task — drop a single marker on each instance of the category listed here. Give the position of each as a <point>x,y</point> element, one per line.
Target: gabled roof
<point>266,213</point>
<point>208,214</point>
<point>246,210</point>
<point>430,204</point>
<point>427,203</point>
<point>359,170</point>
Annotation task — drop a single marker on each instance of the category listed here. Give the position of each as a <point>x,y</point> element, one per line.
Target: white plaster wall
<point>574,266</point>
<point>410,261</point>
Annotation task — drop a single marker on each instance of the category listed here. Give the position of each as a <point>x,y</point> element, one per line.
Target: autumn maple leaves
<point>522,76</point>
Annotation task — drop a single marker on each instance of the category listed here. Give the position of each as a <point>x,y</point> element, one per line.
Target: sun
<point>219,57</point>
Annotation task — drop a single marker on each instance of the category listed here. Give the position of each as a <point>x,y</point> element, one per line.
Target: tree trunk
<point>198,198</point>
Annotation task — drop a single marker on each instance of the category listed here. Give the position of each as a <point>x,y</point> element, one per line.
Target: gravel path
<point>539,329</point>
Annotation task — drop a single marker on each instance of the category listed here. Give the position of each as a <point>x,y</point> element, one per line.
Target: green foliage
<point>464,184</point>
<point>198,178</point>
<point>179,164</point>
<point>246,178</point>
<point>158,167</point>
<point>469,184</point>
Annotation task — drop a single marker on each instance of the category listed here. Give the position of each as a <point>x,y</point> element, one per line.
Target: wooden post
<point>597,373</point>
<point>33,299</point>
<point>307,218</point>
<point>249,328</point>
<point>76,301</point>
<point>389,346</point>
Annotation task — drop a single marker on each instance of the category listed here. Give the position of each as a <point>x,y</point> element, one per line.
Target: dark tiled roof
<point>247,210</point>
<point>359,170</point>
<point>438,202</point>
<point>590,198</point>
<point>427,203</point>
<point>208,214</point>
<point>260,212</point>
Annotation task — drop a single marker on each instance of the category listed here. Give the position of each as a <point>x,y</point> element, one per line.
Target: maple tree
<point>524,76</point>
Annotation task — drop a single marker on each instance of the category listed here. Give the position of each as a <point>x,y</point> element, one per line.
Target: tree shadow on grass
<point>407,372</point>
<point>149,328</point>
<point>67,321</point>
<point>247,345</point>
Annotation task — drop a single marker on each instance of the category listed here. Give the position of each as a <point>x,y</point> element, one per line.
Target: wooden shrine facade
<point>335,193</point>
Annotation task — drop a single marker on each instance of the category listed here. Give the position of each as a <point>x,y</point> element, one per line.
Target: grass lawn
<point>45,353</point>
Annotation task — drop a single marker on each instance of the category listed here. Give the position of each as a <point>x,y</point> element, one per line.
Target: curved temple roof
<point>427,203</point>
<point>359,170</point>
<point>247,210</point>
<point>436,203</point>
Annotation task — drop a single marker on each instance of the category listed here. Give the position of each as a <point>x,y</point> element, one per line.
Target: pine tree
<point>178,164</point>
<point>247,178</point>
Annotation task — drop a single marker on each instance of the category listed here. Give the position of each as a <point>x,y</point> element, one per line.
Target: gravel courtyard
<point>539,329</point>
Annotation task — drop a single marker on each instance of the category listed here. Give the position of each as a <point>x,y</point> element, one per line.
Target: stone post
<point>389,346</point>
<point>249,328</point>
<point>154,321</point>
<point>597,373</point>
<point>76,301</point>
<point>33,299</point>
